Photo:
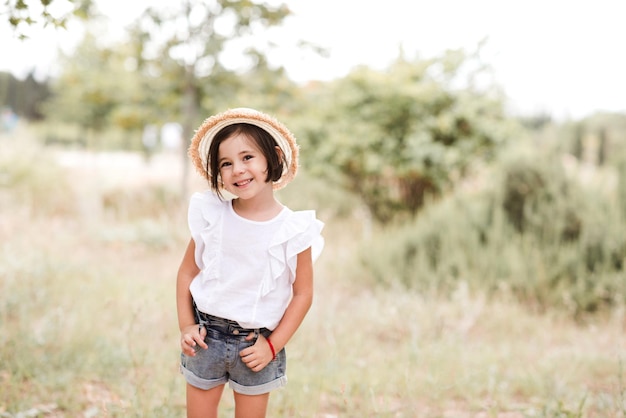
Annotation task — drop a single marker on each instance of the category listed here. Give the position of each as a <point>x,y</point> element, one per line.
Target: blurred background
<point>468,159</point>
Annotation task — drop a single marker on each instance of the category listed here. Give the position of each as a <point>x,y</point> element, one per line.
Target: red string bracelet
<point>271,348</point>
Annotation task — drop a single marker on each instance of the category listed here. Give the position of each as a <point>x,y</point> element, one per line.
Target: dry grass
<point>88,324</point>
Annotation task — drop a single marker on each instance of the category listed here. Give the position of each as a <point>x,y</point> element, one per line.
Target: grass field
<point>88,256</point>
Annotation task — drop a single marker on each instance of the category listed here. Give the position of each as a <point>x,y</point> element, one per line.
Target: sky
<point>564,58</point>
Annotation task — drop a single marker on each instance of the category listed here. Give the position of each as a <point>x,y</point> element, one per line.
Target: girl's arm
<point>260,355</point>
<point>300,302</point>
<point>191,334</point>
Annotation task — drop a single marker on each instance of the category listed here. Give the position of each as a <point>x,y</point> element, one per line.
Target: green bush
<point>536,234</point>
<point>621,187</point>
<point>535,192</point>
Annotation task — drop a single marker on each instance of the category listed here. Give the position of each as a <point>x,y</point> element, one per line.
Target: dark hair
<point>263,140</point>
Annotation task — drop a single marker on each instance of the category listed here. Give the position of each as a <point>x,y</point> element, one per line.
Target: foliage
<point>536,233</point>
<point>23,14</point>
<point>169,70</point>
<point>597,139</point>
<point>24,97</point>
<point>181,45</point>
<point>621,193</point>
<point>533,193</point>
<point>100,92</point>
<point>96,91</point>
<point>401,135</point>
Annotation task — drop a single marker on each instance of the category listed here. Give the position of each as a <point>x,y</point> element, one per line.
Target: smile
<point>243,183</point>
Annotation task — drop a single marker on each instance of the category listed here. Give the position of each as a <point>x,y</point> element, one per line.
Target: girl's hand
<point>257,356</point>
<point>191,338</point>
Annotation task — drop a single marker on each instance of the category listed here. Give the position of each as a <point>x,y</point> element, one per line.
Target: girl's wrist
<point>185,327</point>
<point>269,342</point>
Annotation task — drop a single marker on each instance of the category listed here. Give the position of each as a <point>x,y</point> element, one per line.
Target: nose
<point>238,167</point>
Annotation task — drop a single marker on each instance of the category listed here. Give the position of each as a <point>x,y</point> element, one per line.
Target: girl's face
<point>243,167</point>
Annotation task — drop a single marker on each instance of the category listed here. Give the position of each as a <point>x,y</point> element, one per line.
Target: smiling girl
<point>245,282</point>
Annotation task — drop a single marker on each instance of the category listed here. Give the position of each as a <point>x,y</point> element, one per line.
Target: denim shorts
<point>221,363</point>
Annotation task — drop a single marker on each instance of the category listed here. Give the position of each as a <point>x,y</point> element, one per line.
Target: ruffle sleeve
<point>204,218</point>
<point>300,231</point>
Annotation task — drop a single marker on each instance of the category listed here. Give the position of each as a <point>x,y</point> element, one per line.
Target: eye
<point>248,157</point>
<point>224,164</point>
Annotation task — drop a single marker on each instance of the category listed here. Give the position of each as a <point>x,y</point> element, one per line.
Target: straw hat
<point>201,141</point>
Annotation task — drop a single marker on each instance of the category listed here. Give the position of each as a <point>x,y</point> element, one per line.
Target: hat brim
<point>201,141</point>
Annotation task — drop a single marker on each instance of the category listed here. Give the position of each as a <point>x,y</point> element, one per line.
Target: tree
<point>23,14</point>
<point>97,91</point>
<point>400,135</point>
<point>578,148</point>
<point>24,97</point>
<point>181,46</point>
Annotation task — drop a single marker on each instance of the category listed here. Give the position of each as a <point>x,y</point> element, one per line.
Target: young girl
<point>246,280</point>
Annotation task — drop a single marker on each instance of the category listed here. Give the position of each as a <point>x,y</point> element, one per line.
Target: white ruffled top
<point>247,268</point>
